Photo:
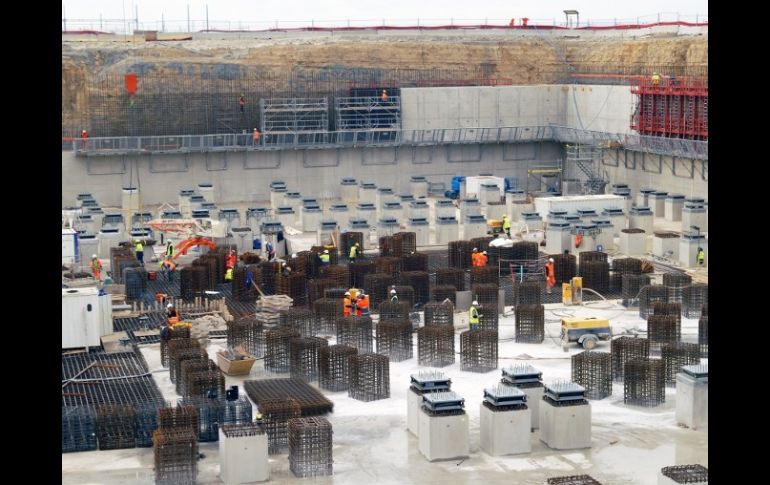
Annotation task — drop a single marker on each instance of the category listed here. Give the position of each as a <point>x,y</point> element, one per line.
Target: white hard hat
<point>169,306</point>
<point>474,303</point>
<point>550,260</point>
<point>393,291</point>
<point>475,249</point>
<point>347,293</point>
<point>93,256</point>
<point>484,252</point>
<point>293,255</point>
<point>326,251</point>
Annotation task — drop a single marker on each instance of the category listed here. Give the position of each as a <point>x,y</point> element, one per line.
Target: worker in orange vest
<point>578,240</point>
<point>255,137</point>
<point>84,138</point>
<point>242,101</point>
<point>172,314</point>
<point>96,267</point>
<point>384,96</point>
<point>483,258</point>
<point>362,305</point>
<point>550,276</point>
<point>347,306</point>
<point>231,259</point>
<point>475,261</point>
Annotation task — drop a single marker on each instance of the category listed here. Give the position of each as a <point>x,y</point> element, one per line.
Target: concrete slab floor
<point>372,445</point>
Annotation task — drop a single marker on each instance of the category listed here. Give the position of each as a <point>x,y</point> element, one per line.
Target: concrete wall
<point>600,108</point>
<point>245,177</point>
<point>482,106</point>
<point>590,107</point>
<point>642,170</point>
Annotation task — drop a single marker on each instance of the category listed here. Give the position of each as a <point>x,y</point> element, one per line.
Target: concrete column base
<point>692,401</point>
<point>243,460</point>
<point>565,427</point>
<point>534,398</point>
<point>443,437</point>
<point>505,432</point>
<point>413,403</point>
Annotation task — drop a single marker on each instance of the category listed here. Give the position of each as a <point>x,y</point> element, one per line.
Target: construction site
<point>386,254</point>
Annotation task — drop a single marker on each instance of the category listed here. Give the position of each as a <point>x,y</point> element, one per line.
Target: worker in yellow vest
<point>473,315</point>
<point>139,248</point>
<point>507,225</point>
<point>353,252</point>
<point>325,258</point>
<point>655,79</point>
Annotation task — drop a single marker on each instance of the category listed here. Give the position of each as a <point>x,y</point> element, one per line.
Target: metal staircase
<point>586,158</point>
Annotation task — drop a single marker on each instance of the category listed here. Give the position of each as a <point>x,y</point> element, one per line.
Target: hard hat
<point>474,303</point>
<point>93,256</point>
<point>136,241</point>
<point>169,306</point>
<point>347,293</point>
<point>475,249</point>
<point>392,291</point>
<point>326,251</point>
<point>293,255</point>
<point>255,129</point>
<point>484,252</point>
<point>356,244</point>
<point>550,260</point>
<point>284,264</point>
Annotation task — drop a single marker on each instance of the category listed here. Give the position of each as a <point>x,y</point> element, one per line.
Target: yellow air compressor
<point>585,331</point>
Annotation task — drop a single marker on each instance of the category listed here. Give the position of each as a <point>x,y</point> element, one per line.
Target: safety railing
<point>373,138</point>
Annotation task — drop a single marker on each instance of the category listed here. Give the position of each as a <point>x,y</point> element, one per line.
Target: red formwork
<point>671,107</point>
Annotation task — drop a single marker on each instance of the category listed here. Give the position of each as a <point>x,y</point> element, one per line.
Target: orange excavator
<point>185,245</point>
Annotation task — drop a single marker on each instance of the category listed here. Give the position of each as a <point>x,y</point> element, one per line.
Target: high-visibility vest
<point>229,274</point>
<point>578,240</point>
<point>701,256</point>
<point>325,258</point>
<point>169,250</point>
<point>96,264</point>
<point>353,251</point>
<point>483,259</point>
<point>139,247</point>
<point>473,316</point>
<point>363,306</point>
<point>346,307</point>
<point>506,223</point>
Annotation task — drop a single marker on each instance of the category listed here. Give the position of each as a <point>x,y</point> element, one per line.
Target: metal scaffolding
<point>367,113</point>
<point>280,116</point>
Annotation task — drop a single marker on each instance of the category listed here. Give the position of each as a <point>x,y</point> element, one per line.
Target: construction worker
<point>507,225</point>
<point>475,257</point>
<point>384,96</point>
<point>172,314</point>
<point>473,315</point>
<point>655,79</point>
<point>242,101</point>
<point>84,139</point>
<point>167,266</point>
<point>347,305</point>
<point>550,276</point>
<point>285,270</point>
<point>578,240</point>
<point>259,419</point>
<point>393,296</point>
<point>231,259</point>
<point>139,247</point>
<point>96,267</point>
<point>169,250</point>
<point>362,305</point>
<point>229,274</point>
<point>270,251</point>
<point>325,258</point>
<point>249,279</point>
<point>255,137</point>
<point>353,253</point>
<point>701,257</point>
<point>484,258</point>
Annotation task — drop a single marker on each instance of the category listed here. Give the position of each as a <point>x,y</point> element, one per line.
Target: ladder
<point>585,157</point>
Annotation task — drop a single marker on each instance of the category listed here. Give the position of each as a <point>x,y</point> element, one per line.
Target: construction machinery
<point>585,331</point>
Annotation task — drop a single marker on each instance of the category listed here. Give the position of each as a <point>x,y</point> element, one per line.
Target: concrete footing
<point>692,401</point>
<point>413,403</point>
<point>565,427</point>
<point>534,398</point>
<point>505,432</point>
<point>243,459</point>
<point>443,437</point>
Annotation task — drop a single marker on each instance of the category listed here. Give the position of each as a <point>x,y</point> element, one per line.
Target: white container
<point>473,185</point>
<point>469,207</point>
<point>244,238</point>
<point>130,200</point>
<point>85,317</point>
<point>673,207</point>
<point>207,191</point>
<point>418,187</point>
<point>420,227</point>
<point>69,247</point>
<point>349,191</point>
<point>447,230</point>
<point>571,203</point>
<point>367,193</point>
<point>243,459</point>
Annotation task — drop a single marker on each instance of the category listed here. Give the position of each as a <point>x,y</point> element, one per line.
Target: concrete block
<point>641,222</point>
<point>413,403</point>
<point>692,401</point>
<point>501,301</point>
<point>557,240</point>
<point>243,459</point>
<point>666,246</point>
<point>472,230</point>
<point>505,432</point>
<point>673,209</point>
<point>443,437</point>
<point>463,300</point>
<point>688,252</point>
<point>633,244</point>
<point>565,427</point>
<point>534,398</point>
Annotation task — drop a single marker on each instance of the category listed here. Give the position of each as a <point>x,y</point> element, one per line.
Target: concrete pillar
<point>413,404</point>
<point>277,196</point>
<point>286,216</point>
<point>658,203</point>
<point>243,459</point>
<point>418,209</point>
<point>421,230</point>
<point>692,401</point>
<point>474,226</point>
<point>418,187</point>
<point>688,249</point>
<point>534,398</point>
<point>311,218</point>
<point>443,437</point>
<point>447,230</point>
<point>666,247</point>
<point>130,199</point>
<point>641,218</point>
<point>207,191</point>
<point>633,244</point>
<point>695,216</point>
<point>673,207</point>
<point>349,191</point>
<point>565,427</point>
<point>505,432</point>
